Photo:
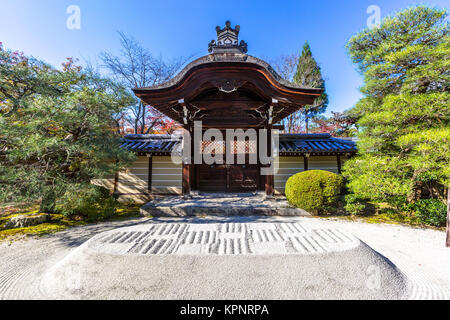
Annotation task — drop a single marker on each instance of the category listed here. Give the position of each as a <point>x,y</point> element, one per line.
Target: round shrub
<point>314,190</point>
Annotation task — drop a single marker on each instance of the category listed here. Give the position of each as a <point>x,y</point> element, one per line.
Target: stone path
<point>222,204</point>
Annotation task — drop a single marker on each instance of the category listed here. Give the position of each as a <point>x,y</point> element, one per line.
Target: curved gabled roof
<point>227,58</point>
<point>227,72</point>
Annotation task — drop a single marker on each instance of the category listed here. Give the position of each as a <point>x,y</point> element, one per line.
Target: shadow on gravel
<point>74,237</point>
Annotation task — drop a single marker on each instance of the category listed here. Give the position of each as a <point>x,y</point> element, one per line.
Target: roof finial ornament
<point>227,40</point>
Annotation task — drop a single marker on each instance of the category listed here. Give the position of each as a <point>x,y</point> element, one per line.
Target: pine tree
<point>308,74</point>
<point>404,116</point>
<point>57,131</point>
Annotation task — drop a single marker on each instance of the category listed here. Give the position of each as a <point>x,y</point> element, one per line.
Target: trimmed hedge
<point>316,191</point>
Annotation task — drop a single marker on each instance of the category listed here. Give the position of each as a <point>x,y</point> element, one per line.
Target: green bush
<point>398,202</point>
<point>354,205</point>
<point>430,211</point>
<point>90,201</point>
<point>314,190</point>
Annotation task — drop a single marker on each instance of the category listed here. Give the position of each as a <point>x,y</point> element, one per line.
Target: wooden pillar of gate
<point>187,172</point>
<point>269,186</point>
<point>186,179</point>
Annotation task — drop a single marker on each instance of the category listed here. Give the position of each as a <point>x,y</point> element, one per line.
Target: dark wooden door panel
<point>243,178</point>
<point>212,178</point>
<point>228,178</point>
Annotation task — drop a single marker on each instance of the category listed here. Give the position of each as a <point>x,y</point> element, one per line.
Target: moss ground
<point>58,222</point>
<point>384,213</point>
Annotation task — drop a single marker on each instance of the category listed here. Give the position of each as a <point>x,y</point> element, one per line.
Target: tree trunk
<point>306,123</point>
<point>137,119</point>
<point>143,119</point>
<point>48,202</point>
<point>136,125</point>
<point>116,182</point>
<point>447,241</point>
<point>118,127</point>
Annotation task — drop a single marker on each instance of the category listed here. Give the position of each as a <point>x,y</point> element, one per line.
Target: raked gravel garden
<point>419,254</point>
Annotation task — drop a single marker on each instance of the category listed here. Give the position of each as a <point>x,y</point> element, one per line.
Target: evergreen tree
<point>308,74</point>
<point>404,140</point>
<point>57,131</point>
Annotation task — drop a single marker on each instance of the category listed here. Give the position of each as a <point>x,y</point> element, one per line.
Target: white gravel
<point>420,254</point>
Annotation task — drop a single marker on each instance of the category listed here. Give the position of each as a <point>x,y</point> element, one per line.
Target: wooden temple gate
<point>227,89</point>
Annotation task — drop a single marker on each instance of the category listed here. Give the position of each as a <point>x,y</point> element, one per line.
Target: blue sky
<point>184,28</point>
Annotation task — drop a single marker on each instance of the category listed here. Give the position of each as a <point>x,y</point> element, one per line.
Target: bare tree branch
<point>136,67</point>
<point>286,66</point>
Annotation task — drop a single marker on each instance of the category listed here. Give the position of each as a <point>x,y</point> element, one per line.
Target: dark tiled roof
<point>314,143</point>
<point>289,143</point>
<point>152,143</point>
